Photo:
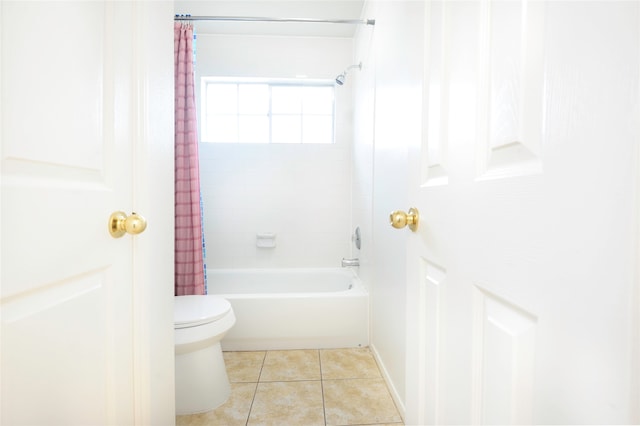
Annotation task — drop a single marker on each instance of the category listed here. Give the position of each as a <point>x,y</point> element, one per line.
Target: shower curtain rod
<point>262,19</point>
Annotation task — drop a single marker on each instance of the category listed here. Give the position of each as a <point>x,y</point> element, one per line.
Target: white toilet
<point>200,322</point>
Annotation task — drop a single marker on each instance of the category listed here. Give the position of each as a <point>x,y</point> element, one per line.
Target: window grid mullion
<point>270,114</point>
<point>237,113</point>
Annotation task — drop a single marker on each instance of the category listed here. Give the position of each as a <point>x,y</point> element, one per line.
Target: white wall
<point>387,120</point>
<point>300,192</point>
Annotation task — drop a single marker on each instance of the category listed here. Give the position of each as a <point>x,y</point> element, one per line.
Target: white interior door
<point>522,271</point>
<point>74,334</point>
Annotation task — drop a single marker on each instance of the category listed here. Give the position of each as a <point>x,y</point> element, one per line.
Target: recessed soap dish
<point>266,240</point>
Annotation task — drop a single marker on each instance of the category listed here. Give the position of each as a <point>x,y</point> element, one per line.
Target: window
<point>267,111</point>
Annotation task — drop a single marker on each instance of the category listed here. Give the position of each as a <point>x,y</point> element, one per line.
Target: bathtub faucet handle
<point>350,262</point>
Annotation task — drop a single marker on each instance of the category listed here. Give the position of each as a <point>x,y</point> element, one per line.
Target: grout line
<point>324,406</point>
<point>264,358</point>
<point>255,391</point>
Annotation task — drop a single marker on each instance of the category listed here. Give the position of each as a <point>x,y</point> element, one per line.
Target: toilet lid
<point>189,311</point>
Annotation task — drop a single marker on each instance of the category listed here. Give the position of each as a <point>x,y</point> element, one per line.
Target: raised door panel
<point>511,88</point>
<point>434,169</point>
<point>503,361</point>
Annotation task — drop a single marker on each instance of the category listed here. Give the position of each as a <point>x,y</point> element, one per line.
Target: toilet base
<point>202,383</point>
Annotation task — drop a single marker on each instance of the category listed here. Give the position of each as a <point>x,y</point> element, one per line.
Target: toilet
<point>200,322</point>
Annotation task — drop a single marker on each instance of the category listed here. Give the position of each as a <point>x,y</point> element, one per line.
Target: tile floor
<point>302,388</point>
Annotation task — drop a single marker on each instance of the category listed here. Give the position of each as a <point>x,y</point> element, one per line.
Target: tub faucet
<point>350,262</point>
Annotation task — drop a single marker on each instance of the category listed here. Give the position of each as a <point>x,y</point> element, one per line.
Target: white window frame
<point>205,81</point>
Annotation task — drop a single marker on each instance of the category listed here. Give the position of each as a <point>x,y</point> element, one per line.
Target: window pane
<point>254,99</point>
<point>254,129</point>
<point>222,98</point>
<point>318,100</point>
<point>222,128</point>
<point>286,99</point>
<point>317,129</point>
<point>285,129</point>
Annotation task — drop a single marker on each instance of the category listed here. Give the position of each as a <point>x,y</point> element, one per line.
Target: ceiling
<point>309,9</point>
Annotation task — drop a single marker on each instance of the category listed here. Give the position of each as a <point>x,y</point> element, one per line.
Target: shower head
<point>340,79</point>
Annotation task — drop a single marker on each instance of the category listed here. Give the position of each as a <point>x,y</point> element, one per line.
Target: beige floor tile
<point>290,391</point>
<point>358,401</point>
<point>233,412</point>
<point>288,403</point>
<point>191,420</point>
<point>243,366</point>
<point>349,363</point>
<point>291,365</point>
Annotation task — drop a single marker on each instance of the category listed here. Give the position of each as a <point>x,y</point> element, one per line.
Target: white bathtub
<point>293,308</point>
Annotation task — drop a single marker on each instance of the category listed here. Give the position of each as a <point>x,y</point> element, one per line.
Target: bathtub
<point>293,308</point>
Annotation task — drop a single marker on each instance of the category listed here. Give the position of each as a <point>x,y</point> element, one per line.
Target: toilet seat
<point>192,311</point>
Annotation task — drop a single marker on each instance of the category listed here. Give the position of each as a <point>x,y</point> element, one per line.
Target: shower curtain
<point>189,262</point>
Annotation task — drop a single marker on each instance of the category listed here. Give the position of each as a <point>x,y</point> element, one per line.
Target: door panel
<point>431,299</point>
<point>66,165</point>
<point>503,355</point>
<point>523,266</point>
<point>510,89</point>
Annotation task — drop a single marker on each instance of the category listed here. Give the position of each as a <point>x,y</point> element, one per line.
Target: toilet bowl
<point>200,322</point>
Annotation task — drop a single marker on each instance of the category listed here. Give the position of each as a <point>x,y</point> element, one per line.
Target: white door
<point>76,334</point>
<point>521,285</point>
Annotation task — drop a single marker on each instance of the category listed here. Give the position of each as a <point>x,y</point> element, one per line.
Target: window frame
<point>205,81</point>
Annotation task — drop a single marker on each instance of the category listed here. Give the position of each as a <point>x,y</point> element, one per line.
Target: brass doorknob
<point>400,219</point>
<point>120,224</point>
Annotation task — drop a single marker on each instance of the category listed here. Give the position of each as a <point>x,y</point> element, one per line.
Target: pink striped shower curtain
<point>189,264</point>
